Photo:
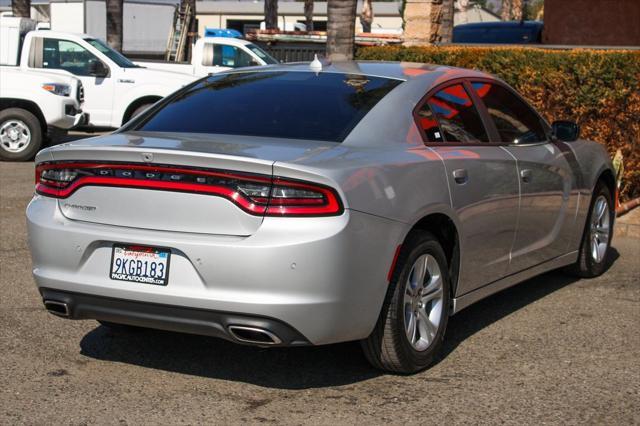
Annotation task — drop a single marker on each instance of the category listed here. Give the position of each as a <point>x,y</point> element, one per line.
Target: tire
<point>138,111</point>
<point>389,346</point>
<point>590,265</point>
<point>20,135</point>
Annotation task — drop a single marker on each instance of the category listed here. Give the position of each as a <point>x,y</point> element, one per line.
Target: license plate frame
<point>140,253</point>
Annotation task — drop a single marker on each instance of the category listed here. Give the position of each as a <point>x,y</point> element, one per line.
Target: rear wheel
<point>20,134</point>
<point>411,327</point>
<point>593,258</point>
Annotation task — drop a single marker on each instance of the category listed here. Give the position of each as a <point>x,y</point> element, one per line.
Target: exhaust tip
<point>253,335</point>
<point>60,309</point>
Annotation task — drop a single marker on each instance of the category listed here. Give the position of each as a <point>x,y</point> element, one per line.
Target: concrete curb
<point>628,221</point>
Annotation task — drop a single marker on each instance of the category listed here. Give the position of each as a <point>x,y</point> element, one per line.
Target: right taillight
<point>293,198</point>
<point>255,194</point>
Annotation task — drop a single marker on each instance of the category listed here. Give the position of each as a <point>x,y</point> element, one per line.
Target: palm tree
<point>505,13</point>
<point>271,14</point>
<point>517,9</point>
<point>441,30</point>
<point>341,26</point>
<point>21,8</point>
<point>308,14</point>
<point>114,23</point>
<point>446,25</point>
<point>366,17</point>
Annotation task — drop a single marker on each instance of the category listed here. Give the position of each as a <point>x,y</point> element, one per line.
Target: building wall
<point>220,21</point>
<point>592,22</point>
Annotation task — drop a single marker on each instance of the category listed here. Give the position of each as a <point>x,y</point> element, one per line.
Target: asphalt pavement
<point>552,350</point>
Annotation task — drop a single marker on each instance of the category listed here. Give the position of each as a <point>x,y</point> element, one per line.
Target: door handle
<point>526,175</point>
<point>460,176</point>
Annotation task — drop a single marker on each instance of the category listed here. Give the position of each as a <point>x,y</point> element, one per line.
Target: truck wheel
<point>412,324</point>
<point>138,111</point>
<point>20,135</point>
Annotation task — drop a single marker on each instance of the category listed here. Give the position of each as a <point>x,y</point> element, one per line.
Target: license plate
<point>140,264</point>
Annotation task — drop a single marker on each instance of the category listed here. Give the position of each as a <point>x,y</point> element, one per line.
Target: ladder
<point>177,41</point>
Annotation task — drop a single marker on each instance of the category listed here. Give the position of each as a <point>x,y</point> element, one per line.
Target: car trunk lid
<point>153,184</point>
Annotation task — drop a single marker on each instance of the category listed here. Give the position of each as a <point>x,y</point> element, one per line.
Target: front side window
<point>515,121</point>
<point>458,118</point>
<point>66,55</point>
<point>225,56</point>
<point>115,56</point>
<point>268,59</point>
<point>291,104</point>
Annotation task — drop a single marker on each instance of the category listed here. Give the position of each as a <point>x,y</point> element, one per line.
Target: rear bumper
<point>325,277</point>
<point>173,318</point>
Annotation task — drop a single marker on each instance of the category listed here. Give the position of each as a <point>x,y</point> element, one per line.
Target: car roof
<point>427,74</point>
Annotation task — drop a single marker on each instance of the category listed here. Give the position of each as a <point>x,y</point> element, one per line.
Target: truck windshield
<point>275,104</point>
<point>115,56</point>
<point>270,60</point>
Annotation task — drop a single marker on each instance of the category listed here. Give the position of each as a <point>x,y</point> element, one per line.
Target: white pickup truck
<point>116,89</point>
<point>35,106</point>
<point>215,54</point>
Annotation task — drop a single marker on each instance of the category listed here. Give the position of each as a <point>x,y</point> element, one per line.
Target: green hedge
<point>598,89</point>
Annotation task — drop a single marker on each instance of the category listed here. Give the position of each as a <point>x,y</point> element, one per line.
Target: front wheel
<point>20,134</point>
<point>411,327</point>
<point>593,257</point>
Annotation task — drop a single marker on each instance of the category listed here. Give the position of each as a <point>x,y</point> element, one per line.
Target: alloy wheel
<point>423,302</point>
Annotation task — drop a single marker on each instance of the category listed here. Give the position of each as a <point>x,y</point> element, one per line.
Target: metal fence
<point>293,52</point>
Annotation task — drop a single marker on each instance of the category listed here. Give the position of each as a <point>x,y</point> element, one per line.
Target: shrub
<point>599,89</point>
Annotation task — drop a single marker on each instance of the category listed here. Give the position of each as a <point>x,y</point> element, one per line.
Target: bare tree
<point>114,23</point>
<point>341,16</point>
<point>366,16</point>
<point>308,14</point>
<point>271,14</point>
<point>21,8</point>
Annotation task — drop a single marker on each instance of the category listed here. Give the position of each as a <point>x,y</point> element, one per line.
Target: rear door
<point>548,201</point>
<point>482,179</point>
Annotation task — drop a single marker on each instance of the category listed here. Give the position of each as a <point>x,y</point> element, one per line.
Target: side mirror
<point>98,69</point>
<point>566,131</point>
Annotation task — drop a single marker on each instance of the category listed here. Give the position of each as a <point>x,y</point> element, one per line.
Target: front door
<point>548,201</point>
<point>483,182</point>
<point>70,56</point>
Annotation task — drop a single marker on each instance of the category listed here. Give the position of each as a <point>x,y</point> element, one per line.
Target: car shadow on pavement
<point>294,368</point>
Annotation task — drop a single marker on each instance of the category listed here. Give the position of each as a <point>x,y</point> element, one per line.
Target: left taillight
<point>255,194</point>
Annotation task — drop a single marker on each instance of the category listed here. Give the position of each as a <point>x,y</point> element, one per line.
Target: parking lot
<point>552,350</point>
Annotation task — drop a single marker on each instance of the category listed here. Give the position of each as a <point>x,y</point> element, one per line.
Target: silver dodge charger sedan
<point>293,205</point>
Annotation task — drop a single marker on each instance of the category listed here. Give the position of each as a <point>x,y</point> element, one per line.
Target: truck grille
<point>80,92</point>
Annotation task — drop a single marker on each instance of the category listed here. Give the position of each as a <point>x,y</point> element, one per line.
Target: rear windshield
<point>280,104</point>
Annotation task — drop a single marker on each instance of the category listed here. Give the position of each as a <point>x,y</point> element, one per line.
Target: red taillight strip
<point>220,191</point>
<point>271,206</point>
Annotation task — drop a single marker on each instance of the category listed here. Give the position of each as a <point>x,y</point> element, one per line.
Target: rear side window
<point>458,118</point>
<point>225,56</point>
<point>279,104</point>
<point>515,121</point>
